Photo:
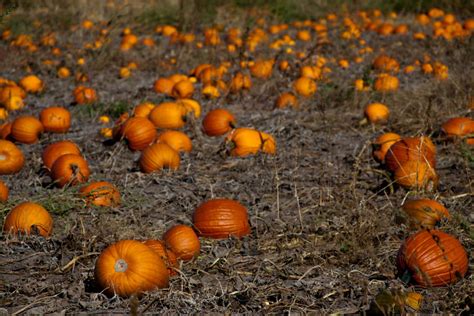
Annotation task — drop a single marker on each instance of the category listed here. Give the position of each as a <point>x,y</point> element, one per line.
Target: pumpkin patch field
<point>229,157</point>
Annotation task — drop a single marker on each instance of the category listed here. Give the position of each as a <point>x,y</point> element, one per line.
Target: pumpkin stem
<point>120,265</point>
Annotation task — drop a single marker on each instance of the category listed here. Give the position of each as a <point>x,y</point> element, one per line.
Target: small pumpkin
<point>70,169</point>
<point>32,84</point>
<point>221,218</point>
<point>386,64</point>
<point>129,267</point>
<point>305,86</point>
<point>414,174</point>
<point>84,95</point>
<point>377,113</point>
<point>163,85</point>
<point>28,217</point>
<point>168,115</point>
<point>262,68</point>
<point>247,141</point>
<point>218,122</point>
<point>166,254</point>
<point>3,192</point>
<point>433,258</point>
<point>26,129</point>
<point>190,105</point>
<point>139,132</point>
<point>55,119</point>
<point>183,89</point>
<point>100,193</point>
<point>143,109</point>
<point>411,148</point>
<point>286,99</point>
<point>56,150</point>
<point>386,83</point>
<point>424,213</point>
<point>382,144</point>
<point>11,158</point>
<point>176,140</point>
<point>157,157</point>
<point>5,130</point>
<point>183,241</point>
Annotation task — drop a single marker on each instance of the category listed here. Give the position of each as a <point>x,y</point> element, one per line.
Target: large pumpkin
<point>183,241</point>
<point>70,169</point>
<point>433,258</point>
<point>55,119</point>
<point>26,129</point>
<point>218,122</point>
<point>168,115</point>
<point>139,132</point>
<point>129,267</point>
<point>221,218</point>
<point>159,156</point>
<point>411,148</point>
<point>26,217</point>
<point>56,150</point>
<point>11,158</point>
<point>177,140</point>
<point>424,213</point>
<point>247,141</point>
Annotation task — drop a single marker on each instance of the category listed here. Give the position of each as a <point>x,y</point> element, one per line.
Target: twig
<point>75,259</point>
<point>27,307</point>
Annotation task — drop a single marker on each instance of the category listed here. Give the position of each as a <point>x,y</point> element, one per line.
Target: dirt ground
<point>325,226</point>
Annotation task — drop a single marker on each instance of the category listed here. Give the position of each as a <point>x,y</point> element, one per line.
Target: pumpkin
<point>9,92</point>
<point>55,119</point>
<point>190,105</point>
<point>458,127</point>
<point>386,64</point>
<point>3,114</point>
<point>26,129</point>
<point>183,241</point>
<point>3,192</point>
<point>100,193</point>
<point>382,144</point>
<point>210,91</point>
<point>386,83</point>
<point>70,169</point>
<point>377,113</point>
<point>411,148</point>
<point>139,132</point>
<point>28,218</point>
<point>11,158</point>
<point>183,89</point>
<point>262,68</point>
<point>168,115</point>
<point>167,255</point>
<point>175,78</point>
<point>286,99</point>
<point>221,218</point>
<point>433,258</point>
<point>143,109</point>
<point>240,82</point>
<point>414,174</point>
<point>305,86</point>
<point>129,267</point>
<point>84,95</point>
<point>247,141</point>
<point>5,131</point>
<point>159,156</point>
<point>218,122</point>
<point>424,213</point>
<point>176,140</point>
<point>32,84</point>
<point>56,150</point>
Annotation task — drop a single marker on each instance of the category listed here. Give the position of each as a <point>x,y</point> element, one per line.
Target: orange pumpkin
<point>129,267</point>
<point>26,129</point>
<point>28,218</point>
<point>286,99</point>
<point>70,169</point>
<point>157,157</point>
<point>32,84</point>
<point>218,122</point>
<point>458,127</point>
<point>433,258</point>
<point>5,131</point>
<point>84,95</point>
<point>424,213</point>
<point>167,255</point>
<point>3,192</point>
<point>55,119</point>
<point>382,145</point>
<point>305,86</point>
<point>139,132</point>
<point>221,218</point>
<point>386,83</point>
<point>183,241</point>
<point>411,149</point>
<point>56,150</point>
<point>183,89</point>
<point>247,141</point>
<point>417,175</point>
<point>386,64</point>
<point>377,113</point>
<point>262,68</point>
<point>176,140</point>
<point>11,91</point>
<point>240,82</point>
<point>168,115</point>
<point>143,109</point>
<point>190,105</point>
<point>100,193</point>
<point>11,158</point>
